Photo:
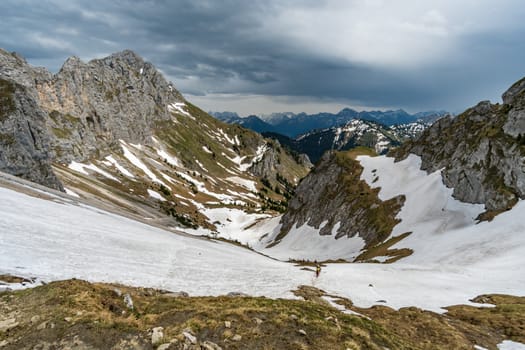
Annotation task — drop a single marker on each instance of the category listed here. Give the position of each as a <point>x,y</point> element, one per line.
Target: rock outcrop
<point>79,113</point>
<point>333,199</point>
<point>481,152</point>
<point>93,105</point>
<point>114,130</point>
<point>24,139</point>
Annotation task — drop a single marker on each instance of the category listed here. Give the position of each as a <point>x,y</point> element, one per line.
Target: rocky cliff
<point>93,105</point>
<point>333,198</point>
<point>481,156</point>
<point>24,138</point>
<point>113,130</point>
<point>481,152</point>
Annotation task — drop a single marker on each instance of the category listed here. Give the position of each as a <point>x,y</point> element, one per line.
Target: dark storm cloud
<point>250,47</point>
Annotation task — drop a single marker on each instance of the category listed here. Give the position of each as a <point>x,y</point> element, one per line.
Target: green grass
<point>97,316</point>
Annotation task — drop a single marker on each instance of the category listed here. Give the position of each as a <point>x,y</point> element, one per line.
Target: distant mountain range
<point>293,125</point>
<point>355,133</point>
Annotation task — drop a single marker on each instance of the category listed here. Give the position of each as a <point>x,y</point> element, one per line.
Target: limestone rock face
<point>515,98</point>
<point>24,139</point>
<point>77,114</point>
<point>93,105</point>
<point>481,152</point>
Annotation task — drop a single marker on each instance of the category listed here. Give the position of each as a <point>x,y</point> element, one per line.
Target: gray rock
<point>189,337</point>
<point>236,294</point>
<point>79,113</point>
<point>164,346</point>
<point>93,105</point>
<point>514,93</point>
<point>128,301</point>
<point>208,345</point>
<point>237,337</point>
<point>157,335</point>
<point>480,151</point>
<point>8,324</point>
<point>24,139</point>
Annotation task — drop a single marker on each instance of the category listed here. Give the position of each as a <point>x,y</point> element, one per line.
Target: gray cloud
<point>413,56</point>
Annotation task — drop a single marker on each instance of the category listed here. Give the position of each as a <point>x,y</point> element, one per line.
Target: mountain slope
<point>480,151</point>
<point>114,130</point>
<point>50,236</point>
<point>471,170</point>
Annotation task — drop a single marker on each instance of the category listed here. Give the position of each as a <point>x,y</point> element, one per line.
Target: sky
<point>259,57</point>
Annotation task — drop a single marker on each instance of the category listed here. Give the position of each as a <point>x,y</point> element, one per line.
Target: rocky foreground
<point>76,314</point>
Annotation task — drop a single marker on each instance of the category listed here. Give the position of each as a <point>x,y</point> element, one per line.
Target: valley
<point>111,180</point>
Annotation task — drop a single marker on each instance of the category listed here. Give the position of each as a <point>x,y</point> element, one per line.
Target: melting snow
<point>305,242</point>
<point>169,158</point>
<point>201,187</point>
<point>59,241</point>
<point>71,193</point>
<point>178,107</point>
<point>226,137</point>
<point>119,167</point>
<point>201,165</point>
<point>248,184</point>
<point>79,167</point>
<point>156,195</point>
<point>138,163</point>
<point>454,259</point>
<point>511,345</point>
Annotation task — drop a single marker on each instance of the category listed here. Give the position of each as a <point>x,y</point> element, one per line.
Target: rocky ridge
<point>334,200</point>
<point>481,152</point>
<point>115,131</point>
<point>93,105</point>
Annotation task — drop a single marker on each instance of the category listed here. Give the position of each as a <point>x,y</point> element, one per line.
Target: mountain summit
<point>113,129</point>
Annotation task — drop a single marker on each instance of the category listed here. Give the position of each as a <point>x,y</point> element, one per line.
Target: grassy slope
<point>74,311</point>
<point>187,138</point>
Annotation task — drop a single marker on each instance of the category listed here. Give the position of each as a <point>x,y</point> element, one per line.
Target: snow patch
<point>138,163</point>
<point>81,168</point>
<point>156,195</point>
<point>169,158</point>
<point>61,241</point>
<point>71,193</point>
<point>305,243</point>
<point>201,165</point>
<point>178,107</point>
<point>119,167</point>
<point>511,345</point>
<point>248,184</point>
